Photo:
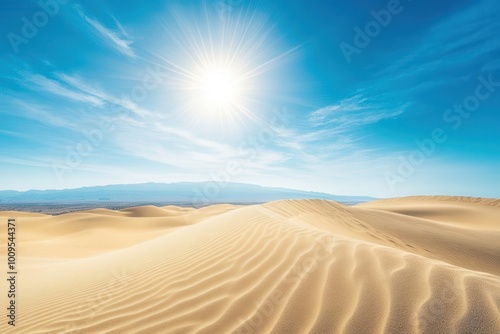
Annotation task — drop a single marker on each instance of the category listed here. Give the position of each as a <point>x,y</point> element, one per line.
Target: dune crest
<point>458,199</point>
<point>411,265</point>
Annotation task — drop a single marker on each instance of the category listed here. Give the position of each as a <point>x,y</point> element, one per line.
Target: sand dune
<point>410,265</point>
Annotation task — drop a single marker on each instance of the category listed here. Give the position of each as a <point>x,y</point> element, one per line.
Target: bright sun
<point>219,68</point>
<point>219,87</point>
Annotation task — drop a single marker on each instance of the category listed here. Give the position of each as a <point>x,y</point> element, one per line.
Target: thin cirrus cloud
<point>352,112</point>
<point>178,149</point>
<point>42,83</point>
<point>42,114</point>
<point>117,39</point>
<point>76,89</point>
<point>457,40</point>
<point>80,84</point>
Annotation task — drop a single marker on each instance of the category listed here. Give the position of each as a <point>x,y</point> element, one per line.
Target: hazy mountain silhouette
<point>194,193</point>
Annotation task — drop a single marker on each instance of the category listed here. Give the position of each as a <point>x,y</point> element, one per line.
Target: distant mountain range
<point>190,193</point>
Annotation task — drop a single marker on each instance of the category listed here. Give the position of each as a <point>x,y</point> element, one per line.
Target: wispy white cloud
<point>25,162</point>
<point>353,111</point>
<point>14,134</point>
<point>117,39</point>
<point>43,83</point>
<point>75,88</point>
<point>184,151</point>
<point>457,40</point>
<point>42,114</point>
<point>93,89</point>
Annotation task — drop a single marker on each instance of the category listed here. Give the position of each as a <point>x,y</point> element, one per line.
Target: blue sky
<point>380,98</point>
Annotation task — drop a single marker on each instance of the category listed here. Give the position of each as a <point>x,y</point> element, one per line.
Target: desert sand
<point>408,265</point>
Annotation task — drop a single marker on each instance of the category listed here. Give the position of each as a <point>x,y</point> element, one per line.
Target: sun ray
<point>218,67</point>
